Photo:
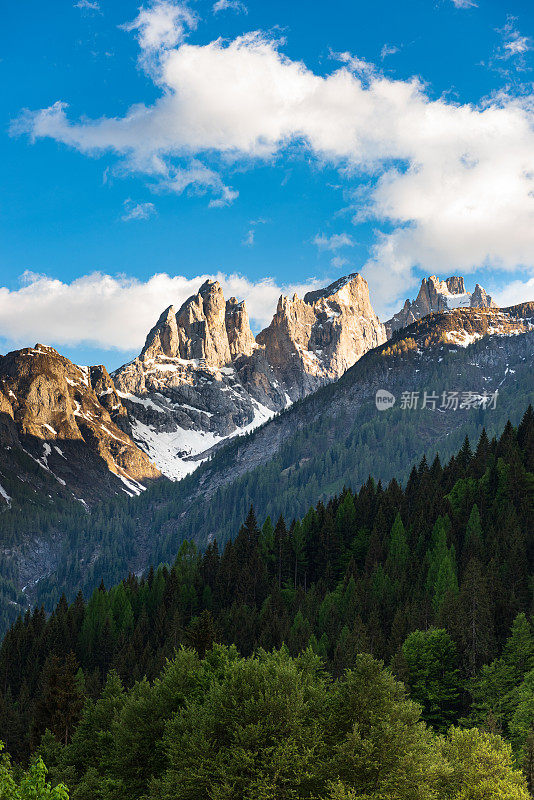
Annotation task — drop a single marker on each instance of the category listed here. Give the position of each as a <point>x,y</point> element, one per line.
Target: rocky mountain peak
<point>201,327</point>
<point>70,420</point>
<point>354,281</point>
<point>455,285</point>
<point>202,375</point>
<point>313,341</point>
<point>210,287</point>
<point>436,296</point>
<point>241,340</point>
<point>163,338</point>
<point>481,299</point>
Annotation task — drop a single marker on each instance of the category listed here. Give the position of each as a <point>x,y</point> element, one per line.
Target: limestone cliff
<point>60,415</point>
<point>314,341</point>
<point>202,376</point>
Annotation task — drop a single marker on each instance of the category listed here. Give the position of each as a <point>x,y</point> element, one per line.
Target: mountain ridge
<point>203,377</point>
<point>435,296</point>
<point>165,413</point>
<point>332,438</point>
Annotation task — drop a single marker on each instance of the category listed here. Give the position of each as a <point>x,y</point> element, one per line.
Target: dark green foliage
<point>271,727</point>
<point>372,571</point>
<point>433,675</point>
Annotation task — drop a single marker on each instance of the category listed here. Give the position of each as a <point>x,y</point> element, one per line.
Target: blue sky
<point>293,156</point>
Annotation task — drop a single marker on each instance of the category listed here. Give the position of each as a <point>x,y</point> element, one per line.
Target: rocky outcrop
<point>163,338</point>
<point>60,415</point>
<point>436,296</point>
<point>201,323</point>
<point>240,338</point>
<point>314,341</point>
<point>481,299</point>
<point>202,376</point>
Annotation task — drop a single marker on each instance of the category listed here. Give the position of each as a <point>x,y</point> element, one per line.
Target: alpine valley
<point>218,546</point>
<point>277,420</point>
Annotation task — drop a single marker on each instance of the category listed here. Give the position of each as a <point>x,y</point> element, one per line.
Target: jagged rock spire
<point>435,296</point>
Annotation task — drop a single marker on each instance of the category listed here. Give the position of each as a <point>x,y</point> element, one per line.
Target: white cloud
<point>117,312</point>
<point>137,211</point>
<point>514,44</point>
<point>338,262</point>
<point>515,292</point>
<point>161,26</point>
<point>465,3</point>
<point>250,237</point>
<point>511,53</point>
<point>197,178</point>
<point>388,50</point>
<point>230,5</point>
<point>333,242</point>
<point>452,184</point>
<point>521,44</point>
<point>87,5</point>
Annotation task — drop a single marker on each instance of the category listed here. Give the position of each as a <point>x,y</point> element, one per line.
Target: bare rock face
<point>61,416</point>
<point>314,341</point>
<point>436,296</point>
<point>240,338</point>
<point>202,329</point>
<point>202,376</point>
<point>481,299</point>
<point>199,379</point>
<point>163,338</point>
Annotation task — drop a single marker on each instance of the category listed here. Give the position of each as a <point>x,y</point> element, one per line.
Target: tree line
<point>434,579</point>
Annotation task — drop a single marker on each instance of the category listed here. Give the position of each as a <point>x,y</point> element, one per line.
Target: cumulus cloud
<point>230,5</point>
<point>137,211</point>
<point>117,312</point>
<point>333,242</point>
<point>518,291</point>
<point>452,185</point>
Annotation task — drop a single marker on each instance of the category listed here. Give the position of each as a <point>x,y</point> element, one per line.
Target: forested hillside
<point>433,578</point>
<point>332,439</point>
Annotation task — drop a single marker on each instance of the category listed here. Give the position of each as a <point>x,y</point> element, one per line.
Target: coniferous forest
<point>381,646</point>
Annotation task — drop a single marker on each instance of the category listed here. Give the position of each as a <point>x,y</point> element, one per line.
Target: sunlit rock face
<point>436,296</point>
<point>202,376</point>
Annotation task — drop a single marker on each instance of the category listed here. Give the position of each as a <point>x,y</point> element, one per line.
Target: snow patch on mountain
<point>177,453</point>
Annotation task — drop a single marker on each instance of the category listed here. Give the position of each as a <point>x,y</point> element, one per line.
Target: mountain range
<point>201,378</point>
<point>279,420</point>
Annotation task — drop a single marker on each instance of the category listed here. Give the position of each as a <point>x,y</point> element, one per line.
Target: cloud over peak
<point>116,312</point>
